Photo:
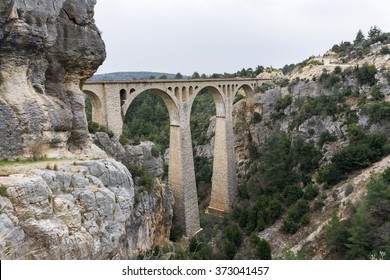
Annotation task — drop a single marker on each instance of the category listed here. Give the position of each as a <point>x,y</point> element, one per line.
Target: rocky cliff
<point>81,210</point>
<point>66,209</point>
<point>46,49</point>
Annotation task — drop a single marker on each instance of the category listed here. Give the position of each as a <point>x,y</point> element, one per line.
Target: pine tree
<point>359,37</point>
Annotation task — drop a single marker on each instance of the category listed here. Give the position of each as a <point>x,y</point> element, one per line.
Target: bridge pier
<point>223,190</point>
<point>181,179</point>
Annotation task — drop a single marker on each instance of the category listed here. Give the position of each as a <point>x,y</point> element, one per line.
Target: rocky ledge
<point>81,210</point>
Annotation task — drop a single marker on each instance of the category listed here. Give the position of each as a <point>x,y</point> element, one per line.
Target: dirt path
<point>27,167</point>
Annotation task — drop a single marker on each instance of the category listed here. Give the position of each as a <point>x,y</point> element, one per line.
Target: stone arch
<point>249,93</point>
<point>218,98</point>
<point>170,103</point>
<point>248,89</point>
<point>177,92</point>
<point>223,183</point>
<point>185,94</point>
<point>123,96</point>
<point>97,107</point>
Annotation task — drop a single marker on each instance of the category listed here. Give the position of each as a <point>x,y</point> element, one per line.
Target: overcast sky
<point>217,36</point>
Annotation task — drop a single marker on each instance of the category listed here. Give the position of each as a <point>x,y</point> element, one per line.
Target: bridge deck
<point>176,81</point>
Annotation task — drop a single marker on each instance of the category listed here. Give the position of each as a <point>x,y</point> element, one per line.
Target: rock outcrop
<point>84,210</point>
<point>131,155</point>
<point>80,210</point>
<point>47,47</point>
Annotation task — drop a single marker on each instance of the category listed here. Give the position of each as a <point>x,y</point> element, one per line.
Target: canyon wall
<point>46,49</point>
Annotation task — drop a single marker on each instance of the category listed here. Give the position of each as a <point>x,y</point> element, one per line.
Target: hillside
<point>321,135</point>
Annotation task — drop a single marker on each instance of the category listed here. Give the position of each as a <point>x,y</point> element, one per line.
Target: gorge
<point>307,149</point>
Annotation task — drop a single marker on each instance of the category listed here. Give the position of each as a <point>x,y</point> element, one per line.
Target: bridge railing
<point>177,81</point>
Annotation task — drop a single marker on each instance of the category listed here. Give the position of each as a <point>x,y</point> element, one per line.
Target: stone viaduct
<point>111,100</point>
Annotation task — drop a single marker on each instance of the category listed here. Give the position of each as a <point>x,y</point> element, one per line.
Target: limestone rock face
<point>207,150</point>
<point>131,155</point>
<point>47,47</point>
<point>84,210</point>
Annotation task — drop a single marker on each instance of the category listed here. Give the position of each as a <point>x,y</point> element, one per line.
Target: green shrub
<point>243,220</point>
<point>329,80</point>
<point>123,139</point>
<point>385,50</point>
<point>305,220</point>
<point>281,82</point>
<point>257,117</point>
<point>147,181</point>
<point>283,103</point>
<point>295,216</point>
<point>290,226</point>
<point>204,170</point>
<point>291,194</point>
<point>242,192</point>
<point>233,234</point>
<point>94,127</point>
<point>311,192</point>
<point>138,170</point>
<point>264,87</point>
<point>326,137</point>
<point>365,74</point>
<point>263,250</point>
<point>176,233</point>
<point>362,152</point>
<point>229,249</point>
<point>3,191</point>
<point>376,93</point>
<point>336,234</point>
<point>273,211</point>
<point>203,252</point>
<point>287,69</point>
<point>156,151</point>
<point>194,245</point>
<point>379,111</point>
<point>386,175</point>
<point>337,70</point>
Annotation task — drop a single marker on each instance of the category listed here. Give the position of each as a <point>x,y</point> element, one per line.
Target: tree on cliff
<point>359,37</point>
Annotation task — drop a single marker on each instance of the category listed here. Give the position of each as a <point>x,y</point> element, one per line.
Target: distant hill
<point>123,76</point>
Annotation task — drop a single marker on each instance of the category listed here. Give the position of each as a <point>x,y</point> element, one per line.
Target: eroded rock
<point>84,210</point>
<point>47,48</point>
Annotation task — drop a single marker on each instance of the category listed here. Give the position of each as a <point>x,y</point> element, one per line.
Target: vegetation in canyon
<point>290,173</point>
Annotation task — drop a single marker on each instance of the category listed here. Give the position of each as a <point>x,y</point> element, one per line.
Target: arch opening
<point>243,92</point>
<point>123,96</point>
<point>217,97</point>
<point>93,107</point>
<point>202,123</point>
<point>148,115</point>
